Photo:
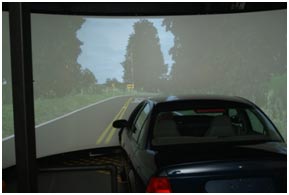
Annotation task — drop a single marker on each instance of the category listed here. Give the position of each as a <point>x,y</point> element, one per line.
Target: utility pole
<point>132,70</point>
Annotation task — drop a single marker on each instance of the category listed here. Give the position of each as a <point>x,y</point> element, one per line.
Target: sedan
<point>202,144</point>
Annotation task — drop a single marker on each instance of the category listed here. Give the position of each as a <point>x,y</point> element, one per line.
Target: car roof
<point>180,98</point>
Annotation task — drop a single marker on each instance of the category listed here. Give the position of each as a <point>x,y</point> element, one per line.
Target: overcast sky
<point>104,44</point>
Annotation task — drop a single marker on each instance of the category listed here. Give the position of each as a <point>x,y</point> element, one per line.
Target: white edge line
<point>70,113</point>
<point>7,138</point>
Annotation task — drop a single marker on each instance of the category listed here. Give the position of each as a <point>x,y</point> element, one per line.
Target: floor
<point>94,181</point>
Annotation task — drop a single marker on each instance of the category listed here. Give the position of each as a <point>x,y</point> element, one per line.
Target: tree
<point>233,55</point>
<point>55,50</point>
<point>144,64</point>
<point>87,78</point>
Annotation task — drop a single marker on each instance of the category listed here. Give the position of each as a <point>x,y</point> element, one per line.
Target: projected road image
<point>89,71</point>
<point>88,127</point>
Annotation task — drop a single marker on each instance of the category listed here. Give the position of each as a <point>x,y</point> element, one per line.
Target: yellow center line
<point>117,116</point>
<point>114,129</point>
<point>99,140</point>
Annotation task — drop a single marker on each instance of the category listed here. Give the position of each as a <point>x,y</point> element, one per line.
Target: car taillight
<point>159,185</point>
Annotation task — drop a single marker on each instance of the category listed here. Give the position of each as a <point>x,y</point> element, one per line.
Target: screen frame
<point>149,8</point>
<point>20,19</point>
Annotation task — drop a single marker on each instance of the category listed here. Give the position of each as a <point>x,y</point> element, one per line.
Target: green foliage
<point>112,82</point>
<point>278,85</point>
<point>225,56</point>
<point>144,64</point>
<point>276,102</point>
<point>56,71</point>
<point>244,58</point>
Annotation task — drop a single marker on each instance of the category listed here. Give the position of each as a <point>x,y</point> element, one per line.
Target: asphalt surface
<point>90,127</point>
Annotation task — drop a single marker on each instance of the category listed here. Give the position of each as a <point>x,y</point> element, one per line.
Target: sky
<point>104,42</point>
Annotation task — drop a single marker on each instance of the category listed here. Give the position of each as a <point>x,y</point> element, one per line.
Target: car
<point>202,144</point>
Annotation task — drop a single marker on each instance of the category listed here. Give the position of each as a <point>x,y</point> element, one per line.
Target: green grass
<point>7,120</point>
<point>50,108</point>
<point>47,109</point>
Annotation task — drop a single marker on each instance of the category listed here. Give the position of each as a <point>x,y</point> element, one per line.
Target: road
<point>89,127</point>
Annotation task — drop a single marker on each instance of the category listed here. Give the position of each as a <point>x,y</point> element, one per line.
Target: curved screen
<point>90,71</point>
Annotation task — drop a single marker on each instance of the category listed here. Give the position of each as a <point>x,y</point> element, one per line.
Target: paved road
<point>83,129</point>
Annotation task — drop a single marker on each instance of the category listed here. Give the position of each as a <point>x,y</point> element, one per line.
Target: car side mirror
<point>120,123</point>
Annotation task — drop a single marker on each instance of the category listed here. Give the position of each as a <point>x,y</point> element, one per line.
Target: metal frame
<point>111,168</point>
<point>23,100</point>
<point>21,58</point>
<point>150,8</point>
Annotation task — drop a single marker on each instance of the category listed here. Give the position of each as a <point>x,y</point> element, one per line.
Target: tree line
<point>56,72</point>
<point>206,60</point>
<point>231,58</point>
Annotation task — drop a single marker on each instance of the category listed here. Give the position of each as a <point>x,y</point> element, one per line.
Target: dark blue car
<point>202,144</point>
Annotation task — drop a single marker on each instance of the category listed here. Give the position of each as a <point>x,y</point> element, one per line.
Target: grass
<point>7,120</point>
<point>50,108</point>
<point>47,109</point>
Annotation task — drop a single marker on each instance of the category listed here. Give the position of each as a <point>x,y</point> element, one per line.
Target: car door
<point>137,127</point>
<point>126,133</point>
<point>143,157</point>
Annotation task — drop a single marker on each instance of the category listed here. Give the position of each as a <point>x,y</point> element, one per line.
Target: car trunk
<point>224,167</point>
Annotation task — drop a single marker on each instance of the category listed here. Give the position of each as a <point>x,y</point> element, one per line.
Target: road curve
<point>76,131</point>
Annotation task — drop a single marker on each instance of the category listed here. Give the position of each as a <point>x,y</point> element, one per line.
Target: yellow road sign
<point>130,86</point>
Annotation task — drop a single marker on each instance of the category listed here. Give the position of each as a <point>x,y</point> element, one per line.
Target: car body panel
<point>186,164</point>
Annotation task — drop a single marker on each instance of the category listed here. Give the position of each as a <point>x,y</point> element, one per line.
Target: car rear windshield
<point>211,124</point>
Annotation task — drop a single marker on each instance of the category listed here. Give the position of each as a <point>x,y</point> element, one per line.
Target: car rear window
<point>210,124</point>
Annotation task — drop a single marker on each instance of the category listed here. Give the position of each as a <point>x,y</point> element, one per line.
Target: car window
<point>209,125</point>
<point>140,120</point>
<point>256,124</point>
<point>133,115</point>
